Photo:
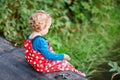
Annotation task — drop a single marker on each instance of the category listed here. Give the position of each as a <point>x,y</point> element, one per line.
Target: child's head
<point>40,21</point>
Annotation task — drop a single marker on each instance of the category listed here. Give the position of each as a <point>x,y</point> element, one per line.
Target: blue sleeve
<point>41,45</point>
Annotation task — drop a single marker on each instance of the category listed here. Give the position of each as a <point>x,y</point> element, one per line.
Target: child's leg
<point>62,66</point>
<point>68,66</point>
<point>81,73</point>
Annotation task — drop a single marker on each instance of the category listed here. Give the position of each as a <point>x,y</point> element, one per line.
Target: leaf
<point>111,70</point>
<point>115,66</point>
<point>85,5</point>
<point>95,10</point>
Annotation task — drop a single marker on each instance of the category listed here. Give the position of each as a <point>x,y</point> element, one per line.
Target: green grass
<point>89,31</point>
<point>88,46</point>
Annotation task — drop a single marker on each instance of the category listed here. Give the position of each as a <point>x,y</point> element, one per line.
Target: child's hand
<point>66,57</point>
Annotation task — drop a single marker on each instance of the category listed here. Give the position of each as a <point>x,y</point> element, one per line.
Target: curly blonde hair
<point>39,20</point>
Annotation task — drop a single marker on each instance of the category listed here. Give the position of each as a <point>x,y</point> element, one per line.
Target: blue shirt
<point>40,44</point>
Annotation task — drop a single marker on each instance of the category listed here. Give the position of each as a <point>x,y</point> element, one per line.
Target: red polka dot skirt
<point>41,64</point>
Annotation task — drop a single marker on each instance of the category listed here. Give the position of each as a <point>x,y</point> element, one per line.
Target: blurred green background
<point>87,30</point>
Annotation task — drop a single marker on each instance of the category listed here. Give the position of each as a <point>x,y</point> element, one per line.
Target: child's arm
<point>41,45</point>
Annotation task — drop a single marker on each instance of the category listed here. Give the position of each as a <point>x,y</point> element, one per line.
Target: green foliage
<point>84,29</point>
<point>115,67</point>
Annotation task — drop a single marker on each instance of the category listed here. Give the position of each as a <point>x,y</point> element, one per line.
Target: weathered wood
<point>13,66</point>
<point>116,76</point>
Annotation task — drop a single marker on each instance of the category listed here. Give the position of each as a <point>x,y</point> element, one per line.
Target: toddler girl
<point>39,53</point>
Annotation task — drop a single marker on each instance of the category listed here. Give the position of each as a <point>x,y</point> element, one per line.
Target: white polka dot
<point>37,57</point>
<point>62,68</point>
<point>42,58</point>
<point>38,53</point>
<point>52,68</point>
<point>49,65</point>
<point>34,51</point>
<point>37,65</point>
<point>38,70</point>
<point>41,65</point>
<point>30,60</point>
<point>40,61</point>
<point>26,51</point>
<point>48,71</point>
<point>46,68</point>
<point>26,45</point>
<point>41,70</point>
<point>34,62</point>
<point>63,63</point>
<point>53,63</point>
<point>33,55</point>
<point>59,66</point>
<point>57,61</point>
<point>28,57</point>
<point>67,68</point>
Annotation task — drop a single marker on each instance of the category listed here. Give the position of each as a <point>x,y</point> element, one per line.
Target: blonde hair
<point>39,20</point>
